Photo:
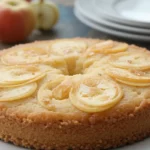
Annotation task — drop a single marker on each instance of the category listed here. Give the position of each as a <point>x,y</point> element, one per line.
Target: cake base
<point>63,135</point>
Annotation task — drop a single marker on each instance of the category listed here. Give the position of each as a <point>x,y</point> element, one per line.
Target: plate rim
<point>102,21</point>
<point>117,19</point>
<point>110,31</point>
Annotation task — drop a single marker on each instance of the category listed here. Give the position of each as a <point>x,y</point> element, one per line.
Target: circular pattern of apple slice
<point>26,55</point>
<point>95,94</point>
<point>56,90</point>
<point>130,77</point>
<point>16,93</point>
<point>139,60</point>
<point>99,50</point>
<point>16,75</point>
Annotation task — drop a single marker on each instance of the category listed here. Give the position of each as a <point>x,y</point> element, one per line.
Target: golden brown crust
<point>76,135</point>
<point>28,124</point>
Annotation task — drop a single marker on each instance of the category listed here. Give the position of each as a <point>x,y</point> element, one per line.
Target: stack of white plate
<point>129,19</point>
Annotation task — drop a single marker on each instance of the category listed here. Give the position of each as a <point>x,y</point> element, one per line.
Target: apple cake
<point>74,94</point>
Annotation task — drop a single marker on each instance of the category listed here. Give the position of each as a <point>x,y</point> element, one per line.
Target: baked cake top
<point>74,79</point>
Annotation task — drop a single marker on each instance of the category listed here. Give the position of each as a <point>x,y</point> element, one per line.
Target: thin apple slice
<point>107,47</point>
<point>91,60</point>
<point>56,90</point>
<point>135,76</point>
<point>133,83</point>
<point>21,56</point>
<point>17,93</point>
<point>61,91</point>
<point>95,94</point>
<point>67,47</point>
<point>139,60</point>
<point>13,75</point>
<point>11,85</point>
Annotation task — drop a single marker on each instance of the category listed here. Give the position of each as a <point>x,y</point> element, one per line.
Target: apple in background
<point>46,13</point>
<point>17,20</point>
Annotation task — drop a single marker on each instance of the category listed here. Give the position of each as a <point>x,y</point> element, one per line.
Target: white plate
<point>88,11</point>
<point>8,146</point>
<point>110,31</point>
<point>129,12</point>
<point>143,145</point>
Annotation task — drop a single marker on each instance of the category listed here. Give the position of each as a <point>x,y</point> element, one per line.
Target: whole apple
<point>17,20</point>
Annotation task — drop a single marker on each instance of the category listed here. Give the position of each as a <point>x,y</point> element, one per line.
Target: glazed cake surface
<point>74,93</point>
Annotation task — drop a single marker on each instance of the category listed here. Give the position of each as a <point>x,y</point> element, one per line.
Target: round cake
<point>74,94</point>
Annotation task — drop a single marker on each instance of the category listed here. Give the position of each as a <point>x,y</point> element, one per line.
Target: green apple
<point>46,13</point>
